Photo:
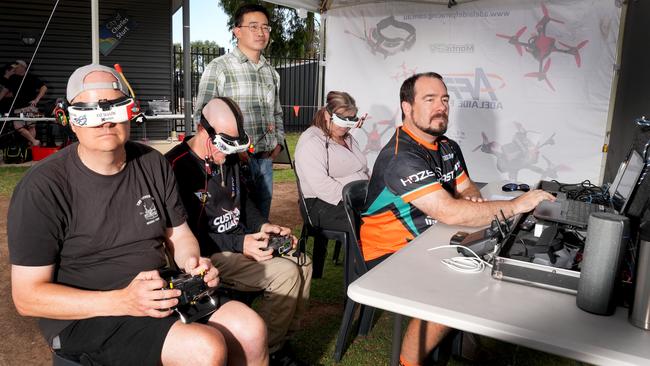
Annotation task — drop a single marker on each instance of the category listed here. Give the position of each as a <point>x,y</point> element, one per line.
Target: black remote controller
<point>280,244</point>
<point>194,290</point>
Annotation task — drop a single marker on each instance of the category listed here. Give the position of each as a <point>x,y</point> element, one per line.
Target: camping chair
<point>354,199</point>
<point>284,157</point>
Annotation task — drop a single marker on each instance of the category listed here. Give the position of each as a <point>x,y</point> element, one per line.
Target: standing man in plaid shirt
<point>249,79</point>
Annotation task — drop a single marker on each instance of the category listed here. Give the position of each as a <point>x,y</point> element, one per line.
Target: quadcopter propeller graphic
<point>541,46</point>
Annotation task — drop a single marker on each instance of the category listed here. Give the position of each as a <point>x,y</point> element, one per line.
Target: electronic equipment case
<point>506,268</point>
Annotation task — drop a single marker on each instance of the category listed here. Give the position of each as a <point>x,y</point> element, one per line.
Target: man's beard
<point>433,131</point>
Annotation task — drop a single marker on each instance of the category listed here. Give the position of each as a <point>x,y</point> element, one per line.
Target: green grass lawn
<point>9,177</point>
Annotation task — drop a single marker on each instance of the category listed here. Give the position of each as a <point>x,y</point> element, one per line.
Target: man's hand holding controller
<point>148,293</point>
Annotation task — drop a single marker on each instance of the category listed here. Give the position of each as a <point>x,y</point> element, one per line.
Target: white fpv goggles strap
<point>105,111</point>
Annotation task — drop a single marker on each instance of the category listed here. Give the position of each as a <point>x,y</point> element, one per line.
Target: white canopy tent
<point>371,50</point>
<point>324,5</point>
<point>523,104</point>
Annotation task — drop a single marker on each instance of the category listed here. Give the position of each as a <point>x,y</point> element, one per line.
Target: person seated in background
<point>27,91</point>
<point>6,71</point>
<point>419,178</point>
<point>327,158</point>
<point>230,228</point>
<point>87,231</point>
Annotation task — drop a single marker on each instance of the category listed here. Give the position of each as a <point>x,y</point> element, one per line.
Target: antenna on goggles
<point>139,118</point>
<point>118,68</point>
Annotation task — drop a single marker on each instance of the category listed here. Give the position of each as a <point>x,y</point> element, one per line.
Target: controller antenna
<point>505,221</point>
<point>498,224</point>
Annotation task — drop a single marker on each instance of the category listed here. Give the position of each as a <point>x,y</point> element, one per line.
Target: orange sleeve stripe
<point>423,191</point>
<point>461,178</point>
<point>382,234</point>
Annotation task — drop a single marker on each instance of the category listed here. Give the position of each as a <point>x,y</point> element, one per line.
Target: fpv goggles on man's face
<point>346,122</point>
<point>224,142</point>
<point>105,111</point>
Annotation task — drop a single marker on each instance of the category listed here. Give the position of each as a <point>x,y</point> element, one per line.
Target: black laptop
<point>576,213</point>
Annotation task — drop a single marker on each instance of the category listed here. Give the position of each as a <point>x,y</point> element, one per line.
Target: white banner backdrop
<point>529,81</point>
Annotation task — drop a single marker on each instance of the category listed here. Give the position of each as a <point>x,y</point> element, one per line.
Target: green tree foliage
<point>290,37</point>
<point>202,53</point>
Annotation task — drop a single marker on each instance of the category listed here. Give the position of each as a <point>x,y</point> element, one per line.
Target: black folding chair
<point>354,199</point>
<point>311,230</point>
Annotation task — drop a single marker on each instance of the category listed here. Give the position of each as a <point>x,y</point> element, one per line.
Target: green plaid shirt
<point>255,88</point>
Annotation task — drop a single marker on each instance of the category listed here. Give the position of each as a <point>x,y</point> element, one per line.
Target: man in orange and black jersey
<point>420,178</point>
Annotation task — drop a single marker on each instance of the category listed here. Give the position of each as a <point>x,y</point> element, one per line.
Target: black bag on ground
<point>15,152</point>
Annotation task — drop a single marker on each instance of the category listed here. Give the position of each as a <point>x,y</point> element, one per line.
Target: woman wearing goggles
<point>327,158</point>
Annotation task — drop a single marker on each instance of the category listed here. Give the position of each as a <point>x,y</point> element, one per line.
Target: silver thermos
<point>640,310</point>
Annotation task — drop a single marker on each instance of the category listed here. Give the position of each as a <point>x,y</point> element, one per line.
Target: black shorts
<point>118,340</point>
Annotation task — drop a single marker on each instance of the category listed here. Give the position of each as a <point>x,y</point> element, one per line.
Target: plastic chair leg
<point>457,344</point>
<point>318,257</point>
<point>304,235</point>
<point>346,324</point>
<point>396,348</point>
<point>337,252</point>
<point>367,315</point>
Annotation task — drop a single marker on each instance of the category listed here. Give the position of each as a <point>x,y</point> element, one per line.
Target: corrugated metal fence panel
<point>145,54</point>
<point>298,92</point>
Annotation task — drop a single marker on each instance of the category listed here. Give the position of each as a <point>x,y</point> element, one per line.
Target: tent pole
<point>94,31</point>
<point>187,69</point>
<point>613,92</point>
<point>321,59</point>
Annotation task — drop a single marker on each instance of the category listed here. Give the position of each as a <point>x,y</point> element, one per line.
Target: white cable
<point>463,264</point>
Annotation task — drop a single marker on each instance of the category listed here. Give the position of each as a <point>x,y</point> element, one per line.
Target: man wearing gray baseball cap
<point>87,232</point>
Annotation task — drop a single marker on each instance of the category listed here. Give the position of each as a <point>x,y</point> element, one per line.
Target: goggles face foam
<point>105,111</point>
<point>345,122</point>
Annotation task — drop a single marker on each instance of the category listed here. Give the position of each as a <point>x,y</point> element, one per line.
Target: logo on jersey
<point>227,221</point>
<point>203,195</point>
<point>429,221</point>
<point>448,156</point>
<point>449,176</point>
<point>148,209</point>
<point>417,177</point>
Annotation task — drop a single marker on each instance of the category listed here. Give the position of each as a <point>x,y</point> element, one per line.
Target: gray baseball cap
<point>76,83</point>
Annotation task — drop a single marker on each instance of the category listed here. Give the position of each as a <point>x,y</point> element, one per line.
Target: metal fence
<point>299,85</point>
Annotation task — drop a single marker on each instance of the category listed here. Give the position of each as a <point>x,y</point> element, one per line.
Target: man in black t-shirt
<point>26,99</point>
<point>420,178</point>
<point>87,231</point>
<point>231,230</point>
